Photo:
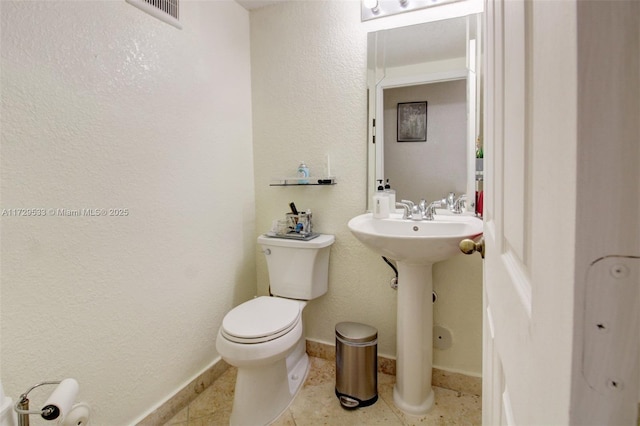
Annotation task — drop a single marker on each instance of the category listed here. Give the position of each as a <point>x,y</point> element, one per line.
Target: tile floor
<point>316,404</point>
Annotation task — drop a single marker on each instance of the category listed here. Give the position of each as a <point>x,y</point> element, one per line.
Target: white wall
<point>106,107</point>
<point>309,99</point>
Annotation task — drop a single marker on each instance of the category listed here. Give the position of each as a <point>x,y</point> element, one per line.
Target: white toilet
<point>264,338</point>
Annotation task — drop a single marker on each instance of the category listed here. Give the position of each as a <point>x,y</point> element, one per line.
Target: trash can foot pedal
<point>347,402</point>
<point>351,403</point>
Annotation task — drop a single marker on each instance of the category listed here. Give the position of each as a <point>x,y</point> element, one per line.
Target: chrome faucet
<point>416,210</point>
<point>420,211</point>
<point>450,200</point>
<point>424,211</point>
<point>407,206</point>
<point>423,205</point>
<point>459,204</point>
<point>431,209</point>
<point>412,208</point>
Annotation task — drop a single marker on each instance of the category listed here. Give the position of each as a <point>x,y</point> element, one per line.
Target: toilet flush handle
<point>267,251</point>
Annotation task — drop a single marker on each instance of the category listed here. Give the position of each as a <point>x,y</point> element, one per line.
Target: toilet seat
<point>261,319</point>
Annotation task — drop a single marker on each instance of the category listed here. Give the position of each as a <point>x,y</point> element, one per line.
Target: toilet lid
<point>261,319</point>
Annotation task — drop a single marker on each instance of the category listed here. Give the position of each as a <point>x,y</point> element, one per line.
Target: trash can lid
<point>356,332</point>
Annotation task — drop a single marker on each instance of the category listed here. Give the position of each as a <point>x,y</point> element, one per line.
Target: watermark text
<point>64,212</point>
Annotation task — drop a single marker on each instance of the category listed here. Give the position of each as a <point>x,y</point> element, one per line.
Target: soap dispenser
<point>380,203</point>
<point>391,195</point>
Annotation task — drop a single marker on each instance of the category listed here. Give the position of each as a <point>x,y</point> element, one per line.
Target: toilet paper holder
<point>58,404</point>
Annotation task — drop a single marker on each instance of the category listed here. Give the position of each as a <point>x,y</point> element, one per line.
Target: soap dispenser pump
<point>391,195</point>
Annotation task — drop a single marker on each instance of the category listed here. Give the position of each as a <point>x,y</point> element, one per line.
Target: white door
<point>562,232</point>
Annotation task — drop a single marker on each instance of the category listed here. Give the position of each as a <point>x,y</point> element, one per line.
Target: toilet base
<point>262,394</point>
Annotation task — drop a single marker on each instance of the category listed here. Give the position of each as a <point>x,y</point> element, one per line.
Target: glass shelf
<point>298,181</point>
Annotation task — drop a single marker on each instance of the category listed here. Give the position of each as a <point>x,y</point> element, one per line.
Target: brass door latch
<point>468,246</point>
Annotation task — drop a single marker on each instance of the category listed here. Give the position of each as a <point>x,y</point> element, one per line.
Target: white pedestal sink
<point>415,246</point>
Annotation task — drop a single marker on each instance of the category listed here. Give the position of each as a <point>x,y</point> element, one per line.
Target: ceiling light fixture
<point>371,9</point>
<point>371,5</point>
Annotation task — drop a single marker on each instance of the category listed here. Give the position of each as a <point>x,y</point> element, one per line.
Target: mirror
<point>433,62</point>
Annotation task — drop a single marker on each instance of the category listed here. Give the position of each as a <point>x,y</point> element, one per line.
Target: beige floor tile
<point>320,371</point>
<point>286,419</point>
<point>316,404</point>
<point>215,401</point>
<point>179,419</point>
<point>450,408</point>
<point>220,418</point>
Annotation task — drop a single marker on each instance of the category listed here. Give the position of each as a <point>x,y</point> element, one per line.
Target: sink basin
<point>415,246</point>
<point>415,241</point>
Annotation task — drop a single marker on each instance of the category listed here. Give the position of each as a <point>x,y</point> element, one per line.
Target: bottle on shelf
<point>303,172</point>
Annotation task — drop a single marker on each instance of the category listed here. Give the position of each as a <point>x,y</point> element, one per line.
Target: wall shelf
<point>298,181</point>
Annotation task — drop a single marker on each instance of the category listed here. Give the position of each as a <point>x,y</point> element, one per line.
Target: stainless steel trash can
<point>356,364</point>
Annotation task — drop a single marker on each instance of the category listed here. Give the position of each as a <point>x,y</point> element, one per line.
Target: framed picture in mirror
<point>412,122</point>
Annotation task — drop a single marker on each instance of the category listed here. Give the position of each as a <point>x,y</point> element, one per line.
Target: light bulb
<point>371,4</point>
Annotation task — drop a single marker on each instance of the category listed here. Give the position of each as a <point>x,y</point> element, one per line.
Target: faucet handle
<point>431,208</point>
<point>406,209</point>
<point>409,203</point>
<point>460,204</point>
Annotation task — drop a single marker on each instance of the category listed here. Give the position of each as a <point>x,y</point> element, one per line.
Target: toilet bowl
<point>264,337</point>
<point>260,331</point>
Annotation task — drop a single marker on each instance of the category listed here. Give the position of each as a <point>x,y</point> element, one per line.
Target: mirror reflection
<point>427,68</point>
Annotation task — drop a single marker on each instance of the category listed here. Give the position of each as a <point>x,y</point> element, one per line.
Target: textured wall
<point>106,107</point>
<point>308,64</point>
<point>309,99</point>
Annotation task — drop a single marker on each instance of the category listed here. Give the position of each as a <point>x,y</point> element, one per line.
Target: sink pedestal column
<point>414,354</point>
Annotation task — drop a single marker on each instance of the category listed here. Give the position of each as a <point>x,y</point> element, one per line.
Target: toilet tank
<point>297,269</point>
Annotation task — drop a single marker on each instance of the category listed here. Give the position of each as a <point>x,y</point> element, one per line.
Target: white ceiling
<point>254,4</point>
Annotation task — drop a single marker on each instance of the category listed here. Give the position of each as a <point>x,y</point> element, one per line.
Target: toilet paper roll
<point>61,400</point>
<point>77,416</point>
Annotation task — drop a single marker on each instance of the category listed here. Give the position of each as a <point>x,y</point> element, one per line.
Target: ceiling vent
<point>165,10</point>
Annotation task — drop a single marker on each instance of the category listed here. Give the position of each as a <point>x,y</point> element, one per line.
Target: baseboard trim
<point>441,378</point>
<point>185,396</point>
